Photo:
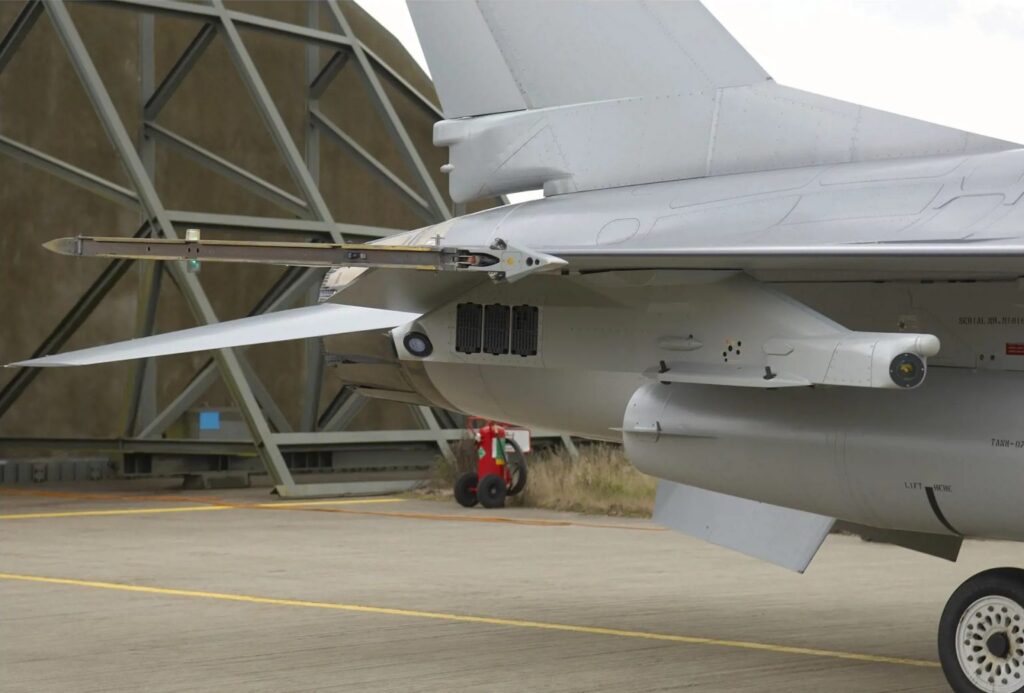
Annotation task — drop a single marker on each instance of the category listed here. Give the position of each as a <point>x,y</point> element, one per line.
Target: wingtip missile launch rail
<point>500,260</point>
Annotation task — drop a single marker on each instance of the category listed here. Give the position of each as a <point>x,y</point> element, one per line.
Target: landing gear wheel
<point>491,491</point>
<point>516,468</point>
<point>981,633</point>
<point>465,490</point>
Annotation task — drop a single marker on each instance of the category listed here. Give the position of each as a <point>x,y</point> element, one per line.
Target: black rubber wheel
<point>516,468</point>
<point>491,491</point>
<point>465,490</point>
<point>981,633</point>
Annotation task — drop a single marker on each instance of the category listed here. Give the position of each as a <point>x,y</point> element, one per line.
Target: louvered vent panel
<point>525,328</point>
<point>496,324</point>
<point>469,324</point>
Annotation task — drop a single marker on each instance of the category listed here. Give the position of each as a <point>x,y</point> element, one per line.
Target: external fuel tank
<point>946,458</point>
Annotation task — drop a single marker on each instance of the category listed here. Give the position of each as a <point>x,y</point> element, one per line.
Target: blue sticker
<point>209,421</point>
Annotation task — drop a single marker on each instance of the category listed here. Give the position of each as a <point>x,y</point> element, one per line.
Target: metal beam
<point>67,326</point>
<point>290,442</point>
<point>195,296</point>
<point>234,172</point>
<point>141,394</point>
<point>426,415</point>
<point>267,404</point>
<point>272,118</point>
<point>72,174</point>
<point>202,381</point>
<point>207,221</point>
<point>312,441</point>
<point>162,94</point>
<point>382,172</point>
<point>166,446</point>
<point>403,85</point>
<point>263,396</point>
<point>311,137</point>
<point>342,409</point>
<point>315,364</point>
<point>173,8</point>
<point>314,348</point>
<point>20,27</point>
<point>257,23</point>
<point>321,80</point>
<point>387,112</point>
<point>205,13</point>
<point>145,319</point>
<point>282,294</point>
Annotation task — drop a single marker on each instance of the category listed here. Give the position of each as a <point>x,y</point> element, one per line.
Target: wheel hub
<point>999,644</point>
<point>990,644</point>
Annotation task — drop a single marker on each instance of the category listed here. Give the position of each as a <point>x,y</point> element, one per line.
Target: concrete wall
<point>42,104</point>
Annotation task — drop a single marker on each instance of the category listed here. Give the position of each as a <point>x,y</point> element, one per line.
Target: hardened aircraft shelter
<point>268,120</point>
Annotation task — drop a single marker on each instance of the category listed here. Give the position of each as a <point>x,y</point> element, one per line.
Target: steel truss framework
<point>309,216</point>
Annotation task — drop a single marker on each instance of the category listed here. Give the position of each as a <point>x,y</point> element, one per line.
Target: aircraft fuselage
<point>946,457</point>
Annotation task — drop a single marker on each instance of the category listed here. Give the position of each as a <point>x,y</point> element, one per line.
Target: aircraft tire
<point>981,633</point>
<point>465,490</point>
<point>491,491</point>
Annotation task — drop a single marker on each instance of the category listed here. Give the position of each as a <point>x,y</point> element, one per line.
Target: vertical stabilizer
<point>573,95</point>
<point>492,56</point>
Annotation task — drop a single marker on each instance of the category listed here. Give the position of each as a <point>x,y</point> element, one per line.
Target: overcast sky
<point>955,62</point>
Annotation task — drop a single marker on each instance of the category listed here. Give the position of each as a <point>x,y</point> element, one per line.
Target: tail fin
<point>577,95</point>
<point>492,56</point>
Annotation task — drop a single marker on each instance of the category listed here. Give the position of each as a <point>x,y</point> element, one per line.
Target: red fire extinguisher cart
<point>500,467</point>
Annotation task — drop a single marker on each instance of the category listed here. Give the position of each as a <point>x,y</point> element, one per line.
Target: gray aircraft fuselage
<point>883,458</point>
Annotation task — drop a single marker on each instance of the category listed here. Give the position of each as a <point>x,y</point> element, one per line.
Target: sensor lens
<point>907,370</point>
<point>418,344</point>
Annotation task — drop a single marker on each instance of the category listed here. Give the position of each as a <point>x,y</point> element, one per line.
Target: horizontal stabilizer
<point>789,538</point>
<point>298,323</point>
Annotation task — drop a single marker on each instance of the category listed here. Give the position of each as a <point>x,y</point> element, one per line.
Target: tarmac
<point>124,589</point>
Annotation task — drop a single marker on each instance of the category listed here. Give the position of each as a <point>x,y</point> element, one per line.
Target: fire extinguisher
<point>498,473</point>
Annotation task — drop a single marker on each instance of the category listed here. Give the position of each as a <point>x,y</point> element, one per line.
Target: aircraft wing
<point>297,323</point>
<point>443,270</point>
<point>962,259</point>
<point>895,260</point>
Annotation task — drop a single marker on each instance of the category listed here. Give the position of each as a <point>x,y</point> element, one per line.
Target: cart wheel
<point>491,491</point>
<point>465,490</point>
<point>516,468</point>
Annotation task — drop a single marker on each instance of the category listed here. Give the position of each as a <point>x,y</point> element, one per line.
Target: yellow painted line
<point>100,513</point>
<point>500,519</point>
<point>483,620</point>
<point>191,508</point>
<point>315,506</point>
<point>284,505</point>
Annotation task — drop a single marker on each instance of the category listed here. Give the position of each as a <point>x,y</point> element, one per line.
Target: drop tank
<point>945,458</point>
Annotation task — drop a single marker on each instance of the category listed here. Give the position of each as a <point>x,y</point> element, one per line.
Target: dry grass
<point>600,482</point>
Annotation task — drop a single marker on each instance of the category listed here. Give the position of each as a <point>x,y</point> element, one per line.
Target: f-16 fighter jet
<point>795,311</point>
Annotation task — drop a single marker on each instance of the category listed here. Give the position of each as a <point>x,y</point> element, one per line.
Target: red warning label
<point>1014,349</point>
